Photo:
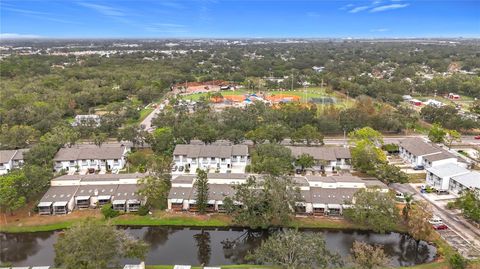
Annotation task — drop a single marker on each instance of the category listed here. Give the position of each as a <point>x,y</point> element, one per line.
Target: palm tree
<point>408,205</point>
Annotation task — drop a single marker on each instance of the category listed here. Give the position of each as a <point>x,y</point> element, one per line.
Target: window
<point>115,160</point>
<point>72,162</point>
<point>223,160</point>
<point>212,159</point>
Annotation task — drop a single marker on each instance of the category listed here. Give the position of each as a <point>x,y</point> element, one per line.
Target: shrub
<point>108,211</point>
<point>143,210</point>
<point>456,261</point>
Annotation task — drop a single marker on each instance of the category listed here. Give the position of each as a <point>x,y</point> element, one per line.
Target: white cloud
<point>25,11</point>
<point>105,10</point>
<point>17,36</point>
<point>388,7</point>
<point>358,9</point>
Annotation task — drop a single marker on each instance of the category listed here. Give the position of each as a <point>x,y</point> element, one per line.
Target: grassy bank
<point>160,218</point>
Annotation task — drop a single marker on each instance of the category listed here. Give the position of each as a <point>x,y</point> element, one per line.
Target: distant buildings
<point>82,157</point>
<point>219,158</point>
<point>87,120</point>
<point>11,159</point>
<point>70,192</point>
<point>321,195</point>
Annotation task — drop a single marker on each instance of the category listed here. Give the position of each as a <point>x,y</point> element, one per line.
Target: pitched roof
<point>447,170</point>
<point>418,147</point>
<point>19,154</point>
<point>91,152</point>
<point>322,153</point>
<point>470,180</point>
<point>59,194</point>
<point>440,156</point>
<point>96,190</point>
<point>126,192</point>
<point>219,151</point>
<point>179,193</point>
<point>6,155</point>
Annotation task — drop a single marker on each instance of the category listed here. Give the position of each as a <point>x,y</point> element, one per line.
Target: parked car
<point>477,137</point>
<point>419,167</point>
<point>440,227</point>
<point>435,220</point>
<point>91,170</point>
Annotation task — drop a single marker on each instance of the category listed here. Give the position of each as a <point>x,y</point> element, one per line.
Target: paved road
<point>461,235</point>
<point>146,124</point>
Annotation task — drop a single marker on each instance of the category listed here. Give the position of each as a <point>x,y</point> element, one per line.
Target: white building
<point>11,159</point>
<point>212,158</point>
<point>70,192</point>
<point>439,177</point>
<point>87,120</point>
<point>417,151</point>
<point>321,195</point>
<point>469,181</point>
<point>326,158</point>
<point>107,157</point>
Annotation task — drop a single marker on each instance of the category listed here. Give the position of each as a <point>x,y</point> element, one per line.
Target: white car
<point>435,220</point>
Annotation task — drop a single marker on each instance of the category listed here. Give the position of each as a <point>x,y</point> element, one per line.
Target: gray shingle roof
<point>127,192</point>
<point>322,153</point>
<point>96,190</point>
<point>219,151</point>
<point>88,151</point>
<point>19,154</point>
<point>331,196</point>
<point>59,194</point>
<point>440,156</point>
<point>179,193</point>
<point>6,155</point>
<point>418,147</point>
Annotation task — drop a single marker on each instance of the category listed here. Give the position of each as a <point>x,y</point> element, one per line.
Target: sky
<point>239,19</point>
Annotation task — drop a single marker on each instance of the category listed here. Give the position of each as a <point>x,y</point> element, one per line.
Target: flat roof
<point>447,170</point>
<point>470,180</point>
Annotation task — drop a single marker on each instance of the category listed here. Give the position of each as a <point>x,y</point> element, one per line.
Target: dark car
<point>477,137</point>
<point>419,167</point>
<point>440,227</point>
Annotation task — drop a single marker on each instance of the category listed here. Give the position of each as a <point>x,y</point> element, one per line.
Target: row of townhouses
<point>82,157</point>
<point>444,170</point>
<point>217,158</point>
<point>321,195</point>
<point>11,159</point>
<point>70,192</point>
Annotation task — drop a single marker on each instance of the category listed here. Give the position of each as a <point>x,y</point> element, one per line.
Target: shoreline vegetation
<point>44,224</point>
<point>49,223</point>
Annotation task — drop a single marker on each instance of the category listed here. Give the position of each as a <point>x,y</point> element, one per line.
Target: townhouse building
<point>326,158</point>
<point>212,158</point>
<point>72,192</point>
<point>418,152</point>
<point>11,159</point>
<point>82,157</point>
<point>320,195</point>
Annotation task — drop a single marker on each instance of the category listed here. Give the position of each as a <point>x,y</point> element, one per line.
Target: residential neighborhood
<point>239,134</point>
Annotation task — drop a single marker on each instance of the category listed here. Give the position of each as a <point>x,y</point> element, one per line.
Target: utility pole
<point>344,137</point>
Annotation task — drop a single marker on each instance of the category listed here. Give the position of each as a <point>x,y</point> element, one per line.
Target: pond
<point>196,246</point>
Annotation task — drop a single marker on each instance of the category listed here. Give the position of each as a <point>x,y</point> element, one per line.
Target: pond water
<point>196,246</point>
